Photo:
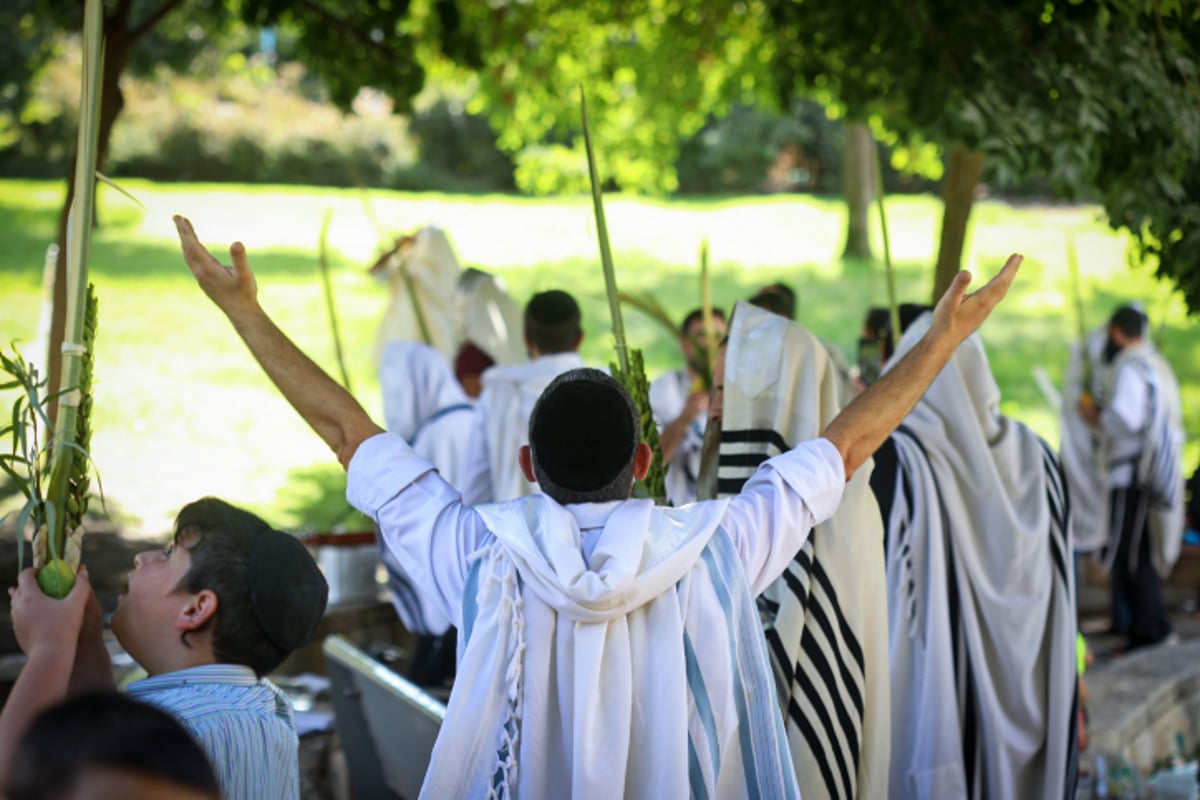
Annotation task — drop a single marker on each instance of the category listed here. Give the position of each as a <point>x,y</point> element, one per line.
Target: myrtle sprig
<point>654,485</point>
<point>80,480</point>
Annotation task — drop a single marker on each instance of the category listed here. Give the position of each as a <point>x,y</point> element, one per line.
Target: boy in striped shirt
<point>208,618</point>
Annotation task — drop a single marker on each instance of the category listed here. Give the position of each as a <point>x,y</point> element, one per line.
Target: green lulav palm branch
<point>629,368</point>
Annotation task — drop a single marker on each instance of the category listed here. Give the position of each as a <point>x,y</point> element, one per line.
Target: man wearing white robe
<point>1138,415</point>
<point>679,400</point>
<point>608,646</point>
<point>552,336</point>
<point>980,594</point>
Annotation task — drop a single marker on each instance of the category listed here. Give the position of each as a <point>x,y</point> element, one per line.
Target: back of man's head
<point>270,592</point>
<point>778,298</point>
<point>107,745</point>
<point>552,323</point>
<point>583,434</point>
<point>1130,321</point>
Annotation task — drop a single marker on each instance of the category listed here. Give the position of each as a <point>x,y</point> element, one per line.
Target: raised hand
<point>959,314</point>
<point>232,288</point>
<point>42,624</point>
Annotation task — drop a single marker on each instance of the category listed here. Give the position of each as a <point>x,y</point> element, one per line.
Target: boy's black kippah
<point>583,430</point>
<point>287,590</point>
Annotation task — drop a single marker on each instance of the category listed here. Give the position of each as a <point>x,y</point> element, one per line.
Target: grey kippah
<point>287,589</point>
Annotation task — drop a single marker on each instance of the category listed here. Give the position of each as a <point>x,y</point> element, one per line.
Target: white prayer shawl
<point>1080,445</point>
<point>444,440</point>
<point>433,269</point>
<point>980,596</point>
<point>509,394</point>
<point>553,674</point>
<point>488,317</point>
<point>1159,470</point>
<point>825,616</point>
<point>417,382</point>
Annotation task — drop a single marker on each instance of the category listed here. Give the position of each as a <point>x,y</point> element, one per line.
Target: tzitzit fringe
<point>505,775</point>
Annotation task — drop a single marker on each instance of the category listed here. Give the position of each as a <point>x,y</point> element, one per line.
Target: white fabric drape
<point>509,394</point>
<point>980,595</point>
<point>1080,446</point>
<point>417,382</point>
<point>555,696</point>
<point>488,316</point>
<point>425,273</point>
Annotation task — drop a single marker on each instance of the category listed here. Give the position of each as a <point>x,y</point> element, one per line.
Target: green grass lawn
<point>182,410</point>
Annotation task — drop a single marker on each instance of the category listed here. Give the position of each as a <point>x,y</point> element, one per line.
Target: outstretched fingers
<point>241,265</point>
<point>997,287</point>
<point>197,257</point>
<point>977,306</point>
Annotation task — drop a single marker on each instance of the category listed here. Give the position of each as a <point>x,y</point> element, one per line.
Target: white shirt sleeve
<point>770,519</point>
<point>421,518</point>
<point>1130,400</point>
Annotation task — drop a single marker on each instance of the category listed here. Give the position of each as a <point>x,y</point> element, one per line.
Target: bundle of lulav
<point>56,557</point>
<point>629,369</point>
<point>56,544</point>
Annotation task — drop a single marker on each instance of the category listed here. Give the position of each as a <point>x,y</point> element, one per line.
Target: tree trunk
<point>858,185</point>
<point>958,195</point>
<point>116,52</point>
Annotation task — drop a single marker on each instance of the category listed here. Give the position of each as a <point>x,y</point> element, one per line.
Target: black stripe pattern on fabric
<point>828,664</point>
<point>824,670</point>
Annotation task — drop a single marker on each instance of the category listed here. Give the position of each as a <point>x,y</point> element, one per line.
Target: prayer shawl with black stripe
<point>825,617</point>
<point>1158,473</point>
<point>980,596</point>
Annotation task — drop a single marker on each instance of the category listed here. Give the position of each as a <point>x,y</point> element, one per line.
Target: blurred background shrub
<point>222,115</point>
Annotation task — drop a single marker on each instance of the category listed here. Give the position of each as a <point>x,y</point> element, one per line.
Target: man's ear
<point>578,341</point>
<point>200,608</point>
<point>643,457</point>
<point>525,459</point>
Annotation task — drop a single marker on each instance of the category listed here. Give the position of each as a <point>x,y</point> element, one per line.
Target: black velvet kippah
<point>582,430</point>
<point>287,590</point>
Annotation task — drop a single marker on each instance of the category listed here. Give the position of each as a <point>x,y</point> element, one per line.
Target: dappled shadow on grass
<point>27,232</point>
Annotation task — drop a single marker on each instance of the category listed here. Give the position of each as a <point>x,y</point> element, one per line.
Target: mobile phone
<point>870,360</point>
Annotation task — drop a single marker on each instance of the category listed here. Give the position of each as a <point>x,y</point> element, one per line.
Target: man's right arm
<point>862,426</point>
<point>328,408</point>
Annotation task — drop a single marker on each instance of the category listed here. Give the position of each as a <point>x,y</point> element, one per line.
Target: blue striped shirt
<point>245,726</point>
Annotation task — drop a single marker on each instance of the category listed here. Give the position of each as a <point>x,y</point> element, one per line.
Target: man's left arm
<point>771,518</point>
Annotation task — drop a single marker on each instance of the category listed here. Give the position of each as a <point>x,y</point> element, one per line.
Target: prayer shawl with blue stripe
<point>981,602</point>
<point>825,617</point>
<point>556,694</point>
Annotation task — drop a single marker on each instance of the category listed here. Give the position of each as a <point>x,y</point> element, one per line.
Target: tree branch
<point>1171,54</point>
<point>345,27</point>
<point>154,18</point>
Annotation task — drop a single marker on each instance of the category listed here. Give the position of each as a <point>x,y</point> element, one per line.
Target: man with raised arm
<point>609,647</point>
